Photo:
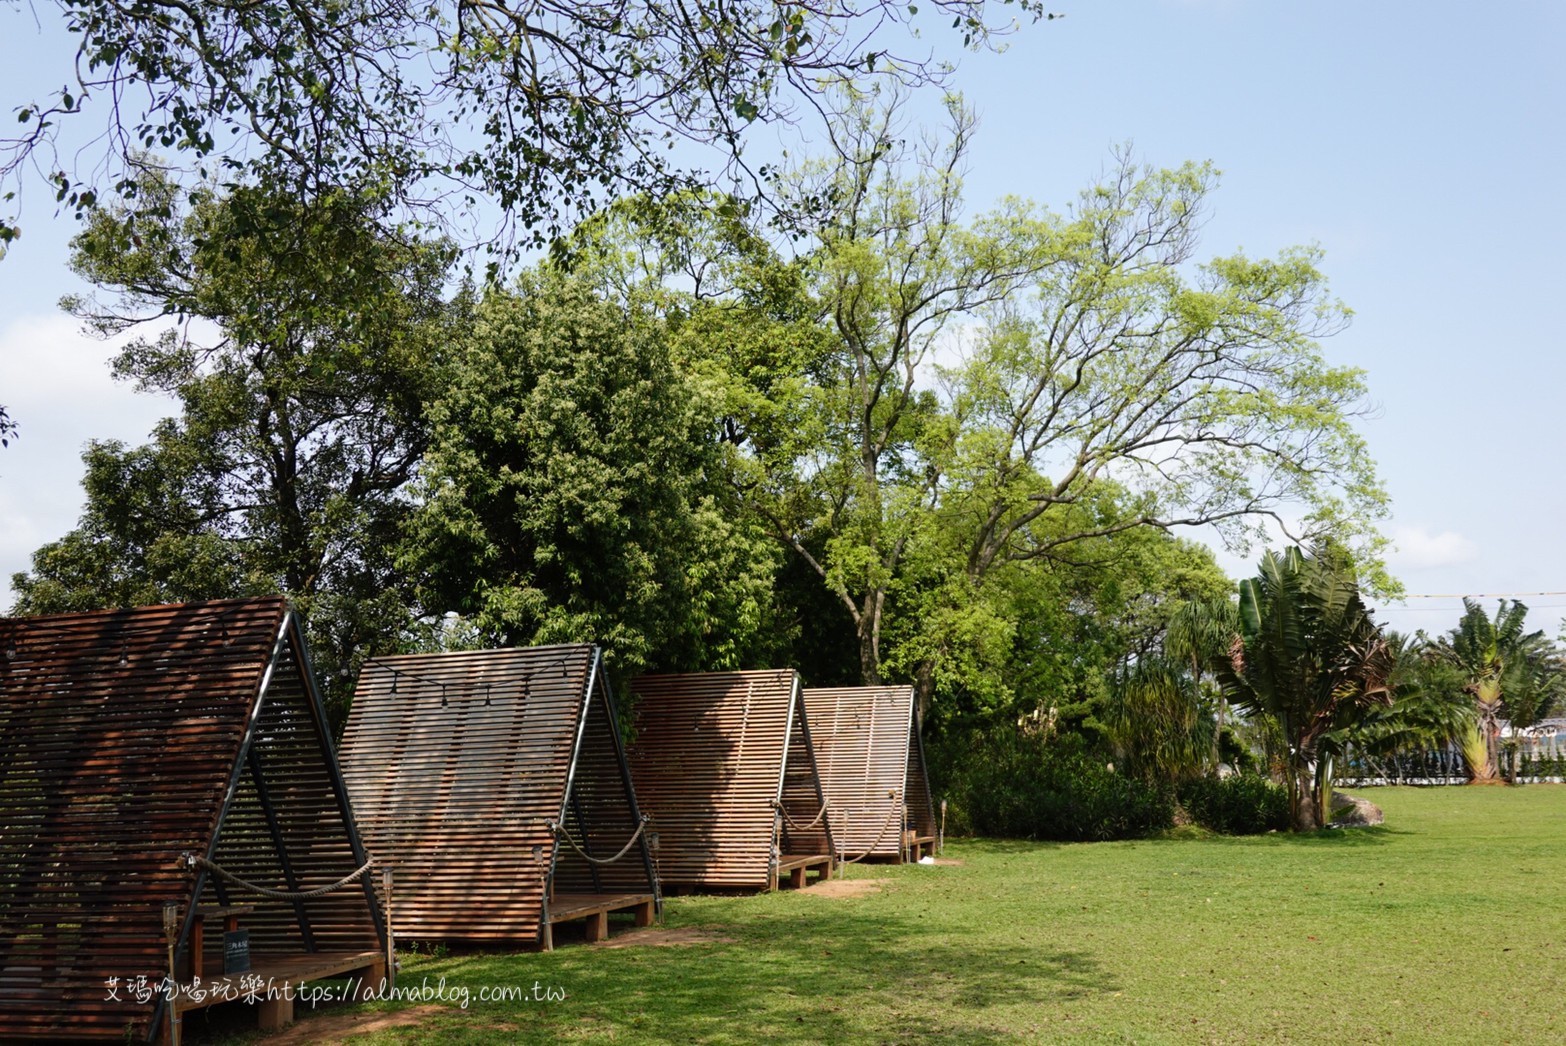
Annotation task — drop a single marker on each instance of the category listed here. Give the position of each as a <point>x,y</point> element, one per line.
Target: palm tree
<point>1531,690</point>
<point>1161,728</point>
<point>1496,656</point>
<point>1309,656</point>
<point>1543,695</point>
<point>1198,635</point>
<point>1430,709</point>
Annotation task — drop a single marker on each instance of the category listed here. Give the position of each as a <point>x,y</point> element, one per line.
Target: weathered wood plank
<point>122,747</point>
<point>724,766</point>
<point>459,763</point>
<point>872,769</point>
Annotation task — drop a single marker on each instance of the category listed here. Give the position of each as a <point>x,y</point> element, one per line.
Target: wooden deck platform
<point>273,981</point>
<point>595,908</point>
<point>797,865</point>
<point>917,846</point>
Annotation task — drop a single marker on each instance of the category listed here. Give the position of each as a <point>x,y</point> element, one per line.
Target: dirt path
<point>847,887</point>
<point>336,1027</point>
<point>660,937</point>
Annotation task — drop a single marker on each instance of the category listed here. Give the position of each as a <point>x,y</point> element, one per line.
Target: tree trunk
<point>1323,791</point>
<point>1223,706</point>
<point>1485,770</point>
<point>924,688</point>
<point>869,647</point>
<point>1492,741</point>
<point>1302,799</point>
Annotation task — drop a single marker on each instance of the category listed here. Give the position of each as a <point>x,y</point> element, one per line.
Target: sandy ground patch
<point>661,937</point>
<point>949,861</point>
<point>336,1027</point>
<point>846,887</point>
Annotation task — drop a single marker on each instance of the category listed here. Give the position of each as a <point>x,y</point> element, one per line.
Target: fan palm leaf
<point>1309,655</point>
<point>1496,657</point>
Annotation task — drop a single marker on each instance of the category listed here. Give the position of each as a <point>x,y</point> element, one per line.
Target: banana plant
<point>1309,656</point>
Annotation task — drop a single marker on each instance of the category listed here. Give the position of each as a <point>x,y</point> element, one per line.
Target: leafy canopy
<point>568,494</point>
<point>301,394</point>
<point>544,110</point>
<point>919,406</point>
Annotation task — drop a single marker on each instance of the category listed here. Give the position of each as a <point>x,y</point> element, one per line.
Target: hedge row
<point>1013,785</point>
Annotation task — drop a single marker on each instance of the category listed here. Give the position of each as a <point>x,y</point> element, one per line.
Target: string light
<point>461,689</point>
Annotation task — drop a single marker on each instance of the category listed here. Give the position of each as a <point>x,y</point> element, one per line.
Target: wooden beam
<point>276,831</point>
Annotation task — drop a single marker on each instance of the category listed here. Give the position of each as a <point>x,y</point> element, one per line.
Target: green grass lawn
<point>1446,925</point>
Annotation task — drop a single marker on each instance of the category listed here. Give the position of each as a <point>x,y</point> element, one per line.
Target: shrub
<point>1009,784</point>
<point>1245,804</point>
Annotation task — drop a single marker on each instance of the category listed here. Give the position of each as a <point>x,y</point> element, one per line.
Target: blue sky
<point>1420,144</point>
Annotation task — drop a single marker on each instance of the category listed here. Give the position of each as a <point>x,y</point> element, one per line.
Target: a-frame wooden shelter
<point>156,765</point>
<point>873,771</point>
<point>494,783</point>
<point>724,766</point>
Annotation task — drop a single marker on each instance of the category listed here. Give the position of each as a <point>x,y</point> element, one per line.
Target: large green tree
<point>310,344</point>
<point>1309,657</point>
<point>978,395</point>
<point>570,492</point>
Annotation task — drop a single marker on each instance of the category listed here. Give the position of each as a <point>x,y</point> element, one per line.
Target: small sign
<point>236,951</point>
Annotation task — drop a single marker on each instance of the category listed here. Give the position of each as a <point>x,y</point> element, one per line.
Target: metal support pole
<point>391,944</point>
<point>171,937</point>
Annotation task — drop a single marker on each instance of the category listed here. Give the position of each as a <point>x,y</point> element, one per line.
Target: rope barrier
<point>561,833</point>
<point>895,811</point>
<point>780,808</point>
<point>653,846</point>
<point>197,861</point>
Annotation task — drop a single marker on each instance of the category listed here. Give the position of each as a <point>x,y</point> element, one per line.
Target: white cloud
<point>55,383</point>
<point>1419,549</point>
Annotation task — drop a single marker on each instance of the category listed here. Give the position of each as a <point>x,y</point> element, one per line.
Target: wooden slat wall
<point>119,732</point>
<point>287,750</point>
<point>921,802</point>
<point>808,828</point>
<point>457,797</point>
<point>871,761</point>
<point>603,813</point>
<point>707,756</point>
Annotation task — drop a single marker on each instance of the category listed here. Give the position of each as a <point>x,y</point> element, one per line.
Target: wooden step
<point>595,908</point>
